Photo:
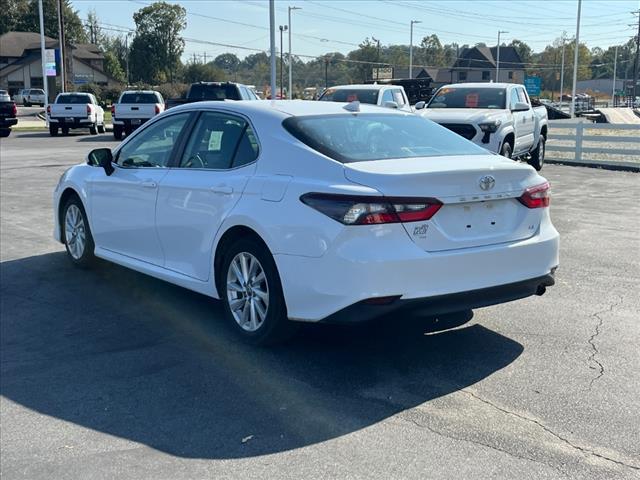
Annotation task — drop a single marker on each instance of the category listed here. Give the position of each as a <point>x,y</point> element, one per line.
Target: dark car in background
<point>207,91</point>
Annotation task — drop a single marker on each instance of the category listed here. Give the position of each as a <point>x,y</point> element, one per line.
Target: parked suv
<point>390,96</point>
<point>206,91</point>
<point>31,96</point>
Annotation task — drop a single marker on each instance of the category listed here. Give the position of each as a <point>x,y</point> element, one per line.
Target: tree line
<point>153,53</point>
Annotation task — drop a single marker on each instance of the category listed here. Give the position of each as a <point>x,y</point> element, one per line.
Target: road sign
<point>532,84</point>
<point>383,73</point>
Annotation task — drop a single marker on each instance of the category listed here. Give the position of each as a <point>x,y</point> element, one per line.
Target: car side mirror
<point>520,107</point>
<point>101,157</point>
<point>390,104</point>
<point>420,105</point>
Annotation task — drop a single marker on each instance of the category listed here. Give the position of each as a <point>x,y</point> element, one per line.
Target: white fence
<point>630,153</point>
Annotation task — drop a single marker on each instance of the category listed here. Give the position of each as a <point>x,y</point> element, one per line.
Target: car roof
<point>363,86</point>
<point>480,85</point>
<point>139,91</point>
<point>283,108</point>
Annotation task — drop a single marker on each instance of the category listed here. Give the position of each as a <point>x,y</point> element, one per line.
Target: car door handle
<point>149,184</point>
<point>222,189</point>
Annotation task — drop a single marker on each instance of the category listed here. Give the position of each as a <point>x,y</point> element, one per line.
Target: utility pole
<point>283,28</point>
<point>637,61</point>
<point>562,71</point>
<point>44,68</point>
<point>126,48</point>
<point>205,57</point>
<point>411,48</point>
<point>613,88</point>
<point>290,96</point>
<point>498,56</point>
<point>61,48</point>
<point>326,72</point>
<point>272,42</point>
<point>576,49</point>
<point>377,57</point>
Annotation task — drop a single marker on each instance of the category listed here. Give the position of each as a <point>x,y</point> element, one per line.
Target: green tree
<point>157,46</point>
<point>113,68</point>
<point>227,61</point>
<point>431,51</point>
<point>524,50</point>
<point>23,16</point>
<point>201,72</point>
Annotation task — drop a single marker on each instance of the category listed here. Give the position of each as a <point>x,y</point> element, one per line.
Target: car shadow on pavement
<point>121,353</point>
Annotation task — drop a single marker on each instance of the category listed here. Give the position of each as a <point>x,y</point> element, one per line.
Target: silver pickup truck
<point>496,116</point>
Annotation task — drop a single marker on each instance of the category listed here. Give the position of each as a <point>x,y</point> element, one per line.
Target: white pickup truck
<point>133,109</point>
<point>75,110</point>
<point>496,116</point>
<point>390,96</point>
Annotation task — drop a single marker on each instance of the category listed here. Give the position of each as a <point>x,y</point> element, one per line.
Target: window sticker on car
<point>471,100</point>
<point>214,141</point>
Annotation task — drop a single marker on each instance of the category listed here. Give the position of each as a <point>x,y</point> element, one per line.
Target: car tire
<point>76,233</point>
<point>5,132</point>
<point>65,130</point>
<point>101,128</point>
<point>53,130</point>
<point>506,150</point>
<point>93,130</point>
<point>254,305</point>
<point>537,155</point>
<point>117,132</point>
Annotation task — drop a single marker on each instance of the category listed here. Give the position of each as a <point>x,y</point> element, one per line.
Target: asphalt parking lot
<point>107,373</point>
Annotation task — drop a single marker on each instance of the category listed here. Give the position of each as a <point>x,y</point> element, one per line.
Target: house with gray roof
<point>478,64</point>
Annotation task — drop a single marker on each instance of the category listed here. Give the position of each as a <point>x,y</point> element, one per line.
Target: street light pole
<point>290,58</point>
<point>498,56</point>
<point>576,48</point>
<point>272,46</point>
<point>283,28</point>
<point>44,68</point>
<point>411,48</point>
<point>613,88</point>
<point>562,72</point>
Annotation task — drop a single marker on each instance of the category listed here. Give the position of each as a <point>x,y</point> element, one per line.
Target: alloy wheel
<point>74,231</point>
<point>247,291</point>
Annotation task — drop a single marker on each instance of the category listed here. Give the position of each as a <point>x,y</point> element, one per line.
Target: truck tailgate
<point>135,110</point>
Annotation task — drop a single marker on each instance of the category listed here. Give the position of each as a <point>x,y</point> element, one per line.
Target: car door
<point>196,196</point>
<point>519,119</point>
<point>123,204</point>
<point>529,123</point>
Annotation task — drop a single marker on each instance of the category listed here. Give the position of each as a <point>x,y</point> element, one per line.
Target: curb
<point>615,166</point>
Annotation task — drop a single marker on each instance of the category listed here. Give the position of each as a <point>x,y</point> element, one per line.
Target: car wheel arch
<point>227,237</point>
<point>67,194</point>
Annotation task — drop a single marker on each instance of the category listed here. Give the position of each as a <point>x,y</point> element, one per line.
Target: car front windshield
<point>73,99</point>
<point>372,136</point>
<point>469,97</point>
<point>350,95</point>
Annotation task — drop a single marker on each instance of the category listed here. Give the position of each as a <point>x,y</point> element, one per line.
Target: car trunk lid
<point>479,195</point>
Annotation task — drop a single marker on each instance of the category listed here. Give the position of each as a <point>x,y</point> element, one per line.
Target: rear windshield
<point>213,92</point>
<point>356,138</point>
<point>139,98</point>
<point>466,97</point>
<point>74,98</point>
<point>350,95</point>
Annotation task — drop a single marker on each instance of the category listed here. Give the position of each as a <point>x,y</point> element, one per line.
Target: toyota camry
<point>311,211</point>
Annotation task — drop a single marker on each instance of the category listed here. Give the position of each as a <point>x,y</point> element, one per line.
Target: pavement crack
<point>592,357</point>
<point>566,441</point>
<point>486,445</point>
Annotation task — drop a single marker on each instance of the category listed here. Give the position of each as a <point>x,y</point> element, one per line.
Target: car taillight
<point>15,110</point>
<point>536,197</point>
<point>157,109</point>
<point>88,109</point>
<point>366,210</point>
<point>113,110</point>
<point>48,109</point>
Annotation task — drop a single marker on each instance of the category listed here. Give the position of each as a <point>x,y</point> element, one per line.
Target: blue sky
<point>339,25</point>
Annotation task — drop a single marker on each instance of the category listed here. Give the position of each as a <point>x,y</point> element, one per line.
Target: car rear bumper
<point>455,302</point>
<point>367,266</point>
<point>8,122</point>
<point>130,122</point>
<point>80,122</point>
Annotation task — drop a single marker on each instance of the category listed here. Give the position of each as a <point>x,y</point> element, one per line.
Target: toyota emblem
<point>487,182</point>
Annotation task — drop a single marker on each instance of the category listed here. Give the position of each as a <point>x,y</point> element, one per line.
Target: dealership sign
<point>50,62</point>
<point>384,73</point>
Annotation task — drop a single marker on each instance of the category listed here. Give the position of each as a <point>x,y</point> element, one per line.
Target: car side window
<point>219,142</point>
<point>514,98</point>
<point>387,96</point>
<point>152,147</point>
<point>523,95</point>
<point>398,97</point>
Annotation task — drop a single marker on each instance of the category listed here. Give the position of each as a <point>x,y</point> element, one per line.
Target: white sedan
<point>311,211</point>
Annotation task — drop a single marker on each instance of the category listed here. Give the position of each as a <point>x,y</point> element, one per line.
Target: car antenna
<point>352,106</point>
